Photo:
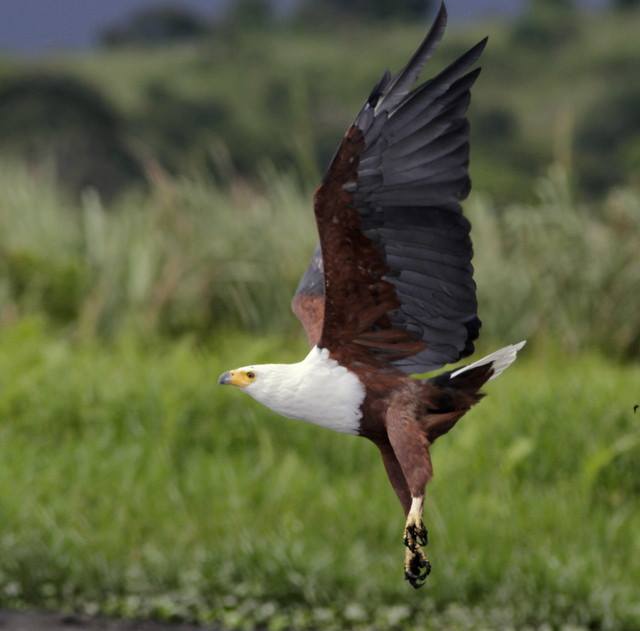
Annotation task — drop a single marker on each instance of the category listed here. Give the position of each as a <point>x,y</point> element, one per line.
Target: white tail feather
<point>500,360</point>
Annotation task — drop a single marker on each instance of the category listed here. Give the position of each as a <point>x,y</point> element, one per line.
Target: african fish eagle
<point>390,290</point>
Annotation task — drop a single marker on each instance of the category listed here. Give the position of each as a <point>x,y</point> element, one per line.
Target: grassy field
<point>131,485</point>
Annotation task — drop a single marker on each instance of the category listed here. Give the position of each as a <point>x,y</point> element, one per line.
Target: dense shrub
<point>367,9</point>
<point>546,23</point>
<point>156,25</point>
<point>607,140</point>
<point>626,4</point>
<point>48,118</point>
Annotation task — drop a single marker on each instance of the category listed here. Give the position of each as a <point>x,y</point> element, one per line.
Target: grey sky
<point>31,26</point>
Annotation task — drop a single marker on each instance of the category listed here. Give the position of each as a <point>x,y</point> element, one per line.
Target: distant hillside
<point>240,101</point>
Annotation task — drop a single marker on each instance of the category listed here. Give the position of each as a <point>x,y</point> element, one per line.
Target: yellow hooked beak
<point>238,378</point>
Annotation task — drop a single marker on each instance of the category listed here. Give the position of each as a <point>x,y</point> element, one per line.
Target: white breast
<point>317,390</point>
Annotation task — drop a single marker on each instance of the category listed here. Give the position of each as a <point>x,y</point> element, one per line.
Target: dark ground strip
<point>36,621</point>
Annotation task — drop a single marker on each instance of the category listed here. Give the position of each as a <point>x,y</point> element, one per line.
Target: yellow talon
<point>416,566</point>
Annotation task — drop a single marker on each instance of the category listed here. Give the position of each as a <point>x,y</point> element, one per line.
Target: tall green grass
<point>131,485</point>
<point>186,258</point>
<point>561,272</point>
<point>191,257</point>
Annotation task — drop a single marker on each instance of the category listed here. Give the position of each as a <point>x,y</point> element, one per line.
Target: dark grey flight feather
<point>412,176</point>
<point>399,87</point>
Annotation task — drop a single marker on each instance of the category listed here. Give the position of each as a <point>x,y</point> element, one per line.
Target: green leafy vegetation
<point>131,485</point>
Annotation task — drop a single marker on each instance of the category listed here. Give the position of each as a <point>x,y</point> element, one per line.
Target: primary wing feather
<point>395,263</point>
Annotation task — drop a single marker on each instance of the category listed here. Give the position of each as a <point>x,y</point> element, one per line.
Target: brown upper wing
<point>397,282</point>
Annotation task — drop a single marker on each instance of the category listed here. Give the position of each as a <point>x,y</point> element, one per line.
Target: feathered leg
<point>395,475</point>
<point>411,449</point>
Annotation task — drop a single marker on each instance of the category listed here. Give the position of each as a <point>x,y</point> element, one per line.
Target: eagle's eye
<point>251,375</point>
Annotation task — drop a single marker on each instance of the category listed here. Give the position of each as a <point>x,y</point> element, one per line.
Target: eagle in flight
<point>390,290</point>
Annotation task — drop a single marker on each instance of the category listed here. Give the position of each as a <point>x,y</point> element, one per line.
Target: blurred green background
<point>155,216</point>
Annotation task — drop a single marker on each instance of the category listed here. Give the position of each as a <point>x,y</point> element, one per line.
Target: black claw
<point>412,580</point>
<point>411,538</point>
<point>415,537</point>
<point>418,570</point>
<point>416,581</point>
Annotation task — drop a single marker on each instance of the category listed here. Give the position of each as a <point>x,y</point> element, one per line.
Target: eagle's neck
<point>317,390</point>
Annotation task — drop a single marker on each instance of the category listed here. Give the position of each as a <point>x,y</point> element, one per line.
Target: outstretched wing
<point>396,253</point>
